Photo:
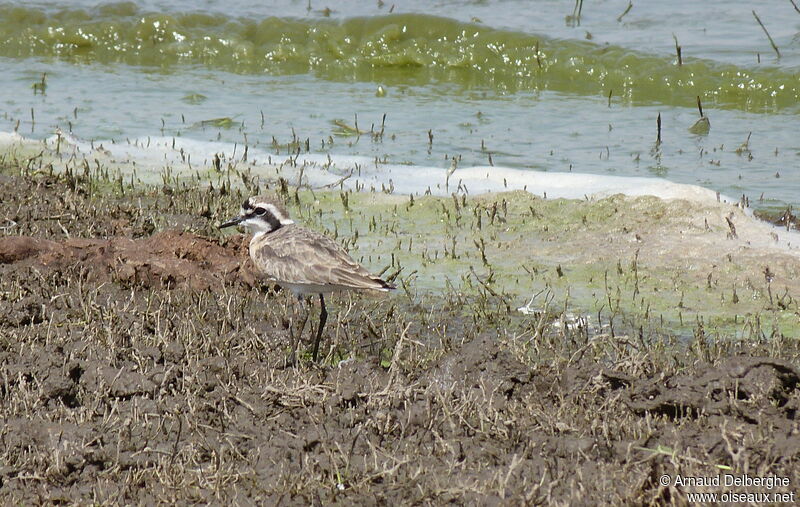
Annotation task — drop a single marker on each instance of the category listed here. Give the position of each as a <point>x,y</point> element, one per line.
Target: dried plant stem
<point>772,42</point>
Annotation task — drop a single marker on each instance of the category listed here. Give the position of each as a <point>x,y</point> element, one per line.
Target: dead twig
<point>678,51</point>
<point>627,10</point>
<point>772,42</point>
<point>732,234</point>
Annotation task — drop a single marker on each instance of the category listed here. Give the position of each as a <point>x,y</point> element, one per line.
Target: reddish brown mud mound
<point>168,259</point>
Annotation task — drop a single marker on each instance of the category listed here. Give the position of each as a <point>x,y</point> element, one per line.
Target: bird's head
<point>261,215</point>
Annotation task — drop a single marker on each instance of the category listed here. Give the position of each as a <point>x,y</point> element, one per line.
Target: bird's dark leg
<point>323,316</point>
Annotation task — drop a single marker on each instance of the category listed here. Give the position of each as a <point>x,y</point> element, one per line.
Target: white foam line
<point>406,179</point>
<point>185,156</point>
<point>319,170</point>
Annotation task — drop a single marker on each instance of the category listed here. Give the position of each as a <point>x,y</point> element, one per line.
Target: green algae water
<point>516,84</point>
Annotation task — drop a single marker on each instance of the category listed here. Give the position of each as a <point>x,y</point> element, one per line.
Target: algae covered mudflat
<point>685,262</point>
<point>142,360</point>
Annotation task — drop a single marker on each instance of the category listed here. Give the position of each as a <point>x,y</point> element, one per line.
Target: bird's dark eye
<point>260,211</point>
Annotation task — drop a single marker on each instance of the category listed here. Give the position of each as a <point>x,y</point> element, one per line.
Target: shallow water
<point>474,80</point>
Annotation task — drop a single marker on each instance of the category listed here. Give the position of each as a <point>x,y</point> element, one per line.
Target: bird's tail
<point>384,284</point>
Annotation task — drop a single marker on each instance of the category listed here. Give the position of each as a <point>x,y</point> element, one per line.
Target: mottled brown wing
<point>301,256</point>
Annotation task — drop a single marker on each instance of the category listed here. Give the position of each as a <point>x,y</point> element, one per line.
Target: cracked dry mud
<point>147,368</point>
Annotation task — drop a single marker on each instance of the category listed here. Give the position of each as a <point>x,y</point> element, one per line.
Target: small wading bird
<point>299,259</point>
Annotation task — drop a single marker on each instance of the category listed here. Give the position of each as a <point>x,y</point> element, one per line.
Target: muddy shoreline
<point>141,361</point>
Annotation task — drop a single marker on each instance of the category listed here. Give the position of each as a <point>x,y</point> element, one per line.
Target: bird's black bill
<point>232,222</point>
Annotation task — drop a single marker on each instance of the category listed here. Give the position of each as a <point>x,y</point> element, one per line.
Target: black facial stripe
<point>247,205</point>
<point>268,216</point>
<point>274,223</point>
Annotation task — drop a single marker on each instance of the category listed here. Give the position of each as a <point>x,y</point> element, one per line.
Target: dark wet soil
<point>784,218</point>
<point>142,364</point>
